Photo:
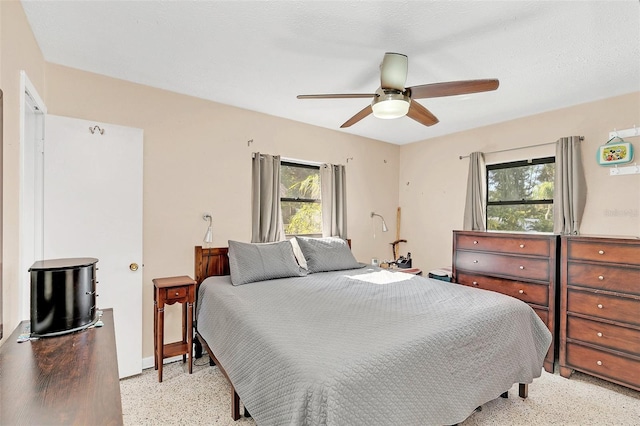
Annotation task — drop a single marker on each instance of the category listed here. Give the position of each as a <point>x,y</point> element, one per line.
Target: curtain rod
<point>514,149</point>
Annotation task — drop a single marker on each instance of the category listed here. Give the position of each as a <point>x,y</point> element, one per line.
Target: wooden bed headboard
<point>211,262</point>
<point>214,262</point>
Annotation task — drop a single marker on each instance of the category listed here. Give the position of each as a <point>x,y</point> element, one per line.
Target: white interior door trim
<point>27,87</point>
<point>30,100</point>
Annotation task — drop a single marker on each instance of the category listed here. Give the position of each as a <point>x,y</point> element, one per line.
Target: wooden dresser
<point>600,308</point>
<point>70,379</point>
<point>520,265</point>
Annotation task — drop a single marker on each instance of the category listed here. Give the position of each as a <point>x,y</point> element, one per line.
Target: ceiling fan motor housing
<point>393,71</point>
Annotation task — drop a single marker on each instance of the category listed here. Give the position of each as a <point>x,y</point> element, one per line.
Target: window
<point>520,195</point>
<point>300,199</point>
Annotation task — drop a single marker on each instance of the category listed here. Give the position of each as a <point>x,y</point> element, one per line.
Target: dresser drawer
<point>531,293</point>
<point>511,244</point>
<point>604,277</point>
<point>604,306</point>
<point>604,252</point>
<point>604,364</point>
<point>544,316</point>
<point>611,336</point>
<point>498,264</point>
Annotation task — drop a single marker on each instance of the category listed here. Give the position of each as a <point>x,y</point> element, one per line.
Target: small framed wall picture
<point>615,153</point>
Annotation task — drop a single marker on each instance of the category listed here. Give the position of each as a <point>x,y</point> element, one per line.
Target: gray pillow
<point>249,262</point>
<point>327,254</point>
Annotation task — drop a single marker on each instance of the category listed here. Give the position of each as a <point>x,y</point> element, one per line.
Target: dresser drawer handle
<point>599,334</point>
<point>521,245</point>
<point>599,306</point>
<point>475,242</point>
<point>177,294</point>
<point>600,277</point>
<point>599,362</point>
<point>475,261</point>
<point>521,267</point>
<point>475,283</point>
<point>600,251</point>
<point>521,291</point>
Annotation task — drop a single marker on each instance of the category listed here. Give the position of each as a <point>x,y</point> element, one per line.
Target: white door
<point>93,208</point>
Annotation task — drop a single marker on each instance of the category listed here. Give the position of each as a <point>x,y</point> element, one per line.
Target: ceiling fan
<point>393,100</point>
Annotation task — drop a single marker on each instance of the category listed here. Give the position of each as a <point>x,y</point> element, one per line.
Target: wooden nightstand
<point>168,291</point>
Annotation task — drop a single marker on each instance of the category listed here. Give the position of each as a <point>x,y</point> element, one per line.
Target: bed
<point>363,345</point>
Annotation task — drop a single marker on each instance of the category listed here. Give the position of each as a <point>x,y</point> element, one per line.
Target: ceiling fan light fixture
<point>390,105</point>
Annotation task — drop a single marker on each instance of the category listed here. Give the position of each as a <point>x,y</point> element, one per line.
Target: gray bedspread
<point>368,347</point>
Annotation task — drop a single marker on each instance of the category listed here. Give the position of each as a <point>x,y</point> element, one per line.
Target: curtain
<point>474,209</point>
<point>265,199</point>
<point>333,190</point>
<point>570,187</point>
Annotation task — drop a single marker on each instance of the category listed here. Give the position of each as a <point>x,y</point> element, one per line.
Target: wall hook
<point>95,129</point>
<point>349,158</point>
<point>249,142</point>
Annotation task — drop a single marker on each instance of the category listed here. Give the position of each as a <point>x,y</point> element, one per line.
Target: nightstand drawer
<point>604,277</point>
<point>602,334</point>
<point>494,243</point>
<point>497,264</point>
<point>605,364</point>
<point>175,293</point>
<point>604,252</point>
<point>531,293</point>
<point>604,306</point>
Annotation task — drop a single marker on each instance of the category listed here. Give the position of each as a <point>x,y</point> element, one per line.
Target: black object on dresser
<point>63,295</point>
<point>600,308</point>
<point>520,265</point>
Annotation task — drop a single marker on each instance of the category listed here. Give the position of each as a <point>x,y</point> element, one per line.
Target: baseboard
<point>149,362</point>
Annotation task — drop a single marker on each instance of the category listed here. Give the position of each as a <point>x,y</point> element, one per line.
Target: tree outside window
<point>520,195</point>
<point>300,199</point>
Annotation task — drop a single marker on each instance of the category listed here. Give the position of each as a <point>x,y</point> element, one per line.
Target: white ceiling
<point>259,55</point>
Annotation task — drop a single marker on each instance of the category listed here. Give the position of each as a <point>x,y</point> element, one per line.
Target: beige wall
<point>433,179</point>
<point>19,51</point>
<point>197,159</point>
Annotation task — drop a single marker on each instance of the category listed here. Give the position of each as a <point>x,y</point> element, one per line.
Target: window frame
<point>290,163</point>
<point>511,165</point>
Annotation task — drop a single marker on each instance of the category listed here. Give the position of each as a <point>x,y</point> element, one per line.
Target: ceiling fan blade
<point>452,88</point>
<point>421,114</point>
<point>359,116</point>
<point>337,96</point>
<point>393,71</point>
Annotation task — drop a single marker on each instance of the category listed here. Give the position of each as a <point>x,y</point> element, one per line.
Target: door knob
<point>133,267</point>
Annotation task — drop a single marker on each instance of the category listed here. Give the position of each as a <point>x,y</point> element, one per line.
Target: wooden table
<point>168,291</point>
<point>62,380</point>
<point>414,271</point>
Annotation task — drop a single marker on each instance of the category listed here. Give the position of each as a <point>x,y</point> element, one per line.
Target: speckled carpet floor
<point>202,398</point>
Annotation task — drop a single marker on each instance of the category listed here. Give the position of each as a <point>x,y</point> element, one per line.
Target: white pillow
<point>297,252</point>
